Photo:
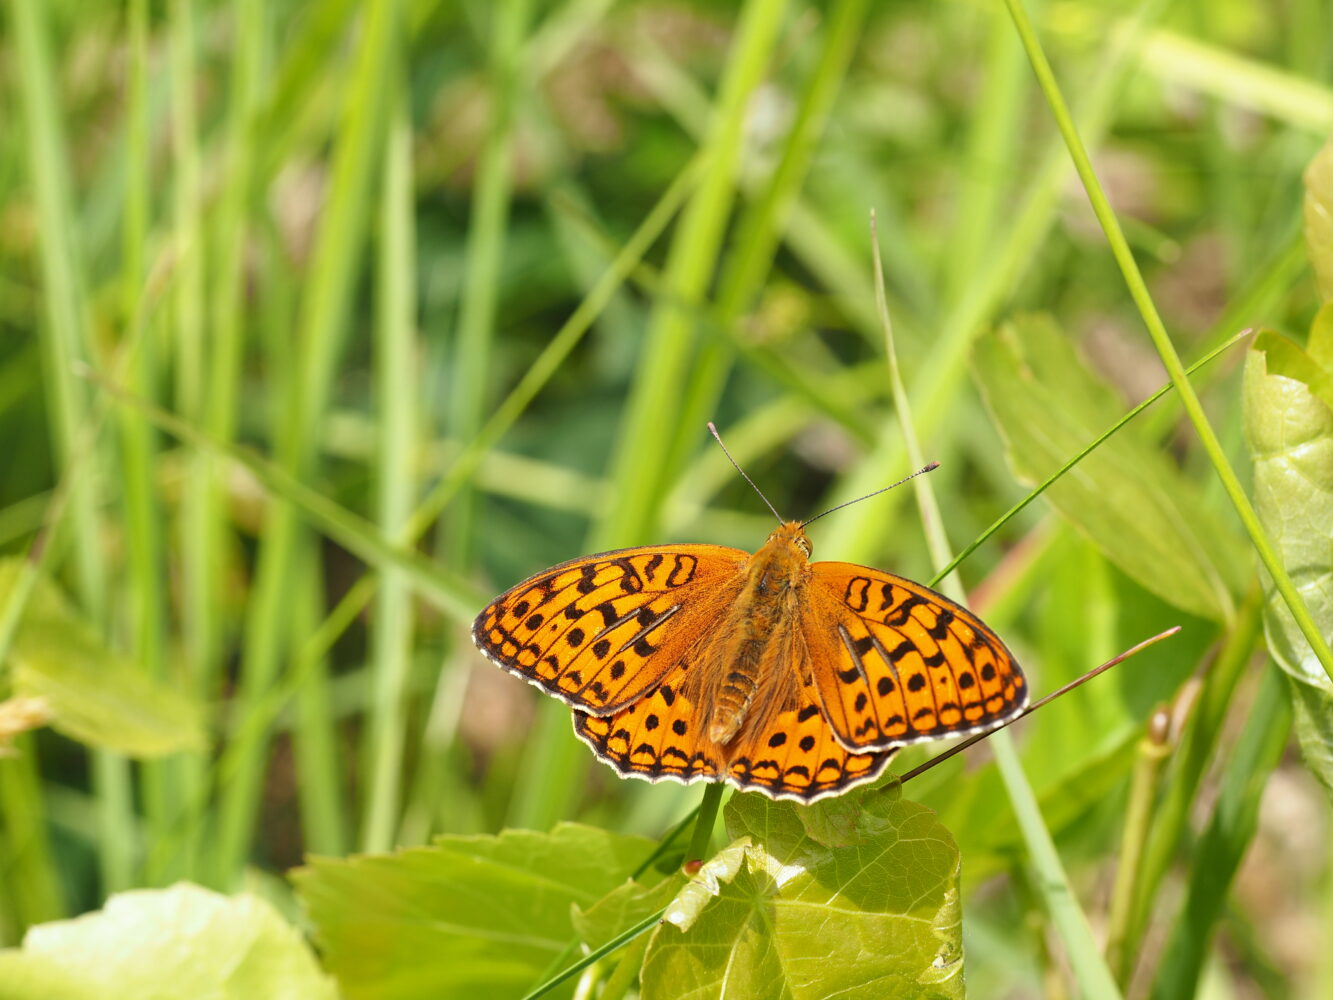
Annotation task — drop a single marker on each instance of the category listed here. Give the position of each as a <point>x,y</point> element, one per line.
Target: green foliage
<point>1319,218</point>
<point>1127,496</point>
<point>780,914</point>
<point>93,694</point>
<point>179,942</point>
<point>1289,424</point>
<point>466,916</point>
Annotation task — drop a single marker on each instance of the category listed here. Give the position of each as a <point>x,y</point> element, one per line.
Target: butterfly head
<point>791,534</point>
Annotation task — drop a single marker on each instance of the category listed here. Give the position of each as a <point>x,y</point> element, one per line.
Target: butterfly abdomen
<point>737,691</point>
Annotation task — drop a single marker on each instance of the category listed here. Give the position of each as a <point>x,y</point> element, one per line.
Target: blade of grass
<point>322,326</point>
<point>162,790</point>
<point>995,128</point>
<point>469,375</point>
<point>1218,854</point>
<point>315,740</point>
<point>1197,745</point>
<point>1151,754</point>
<point>1238,81</point>
<point>1067,917</point>
<point>662,374</point>
<point>1166,350</point>
<point>66,337</point>
<point>205,543</point>
<point>396,377</point>
<point>751,251</point>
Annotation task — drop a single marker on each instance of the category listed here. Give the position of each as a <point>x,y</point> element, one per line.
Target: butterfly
<point>773,673</point>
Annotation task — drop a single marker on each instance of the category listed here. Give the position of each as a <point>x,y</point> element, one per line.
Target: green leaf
<point>94,695</point>
<point>622,908</point>
<point>1127,496</point>
<point>779,915</point>
<point>1289,425</point>
<point>1319,218</point>
<point>466,917</point>
<point>183,942</point>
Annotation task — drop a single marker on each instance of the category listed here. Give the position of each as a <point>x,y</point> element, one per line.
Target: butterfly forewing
<point>897,663</point>
<point>602,631</point>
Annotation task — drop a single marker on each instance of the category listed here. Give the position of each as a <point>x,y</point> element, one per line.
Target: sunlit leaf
<point>183,942</point>
<point>622,908</point>
<point>466,917</point>
<point>780,915</point>
<point>1289,425</point>
<point>93,694</point>
<point>1127,496</point>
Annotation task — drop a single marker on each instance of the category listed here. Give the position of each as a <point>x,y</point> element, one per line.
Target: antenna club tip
<point>931,467</point>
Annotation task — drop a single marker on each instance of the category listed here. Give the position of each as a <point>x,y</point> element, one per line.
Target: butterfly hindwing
<point>796,757</point>
<point>601,631</point>
<point>896,663</point>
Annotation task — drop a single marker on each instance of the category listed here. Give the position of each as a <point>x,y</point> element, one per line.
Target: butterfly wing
<point>796,757</point>
<point>896,663</point>
<point>601,631</point>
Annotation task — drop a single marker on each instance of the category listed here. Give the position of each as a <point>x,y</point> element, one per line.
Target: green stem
<point>663,373</point>
<point>1196,746</point>
<point>704,822</point>
<point>1152,753</point>
<point>1062,908</point>
<point>395,382</point>
<point>486,236</point>
<point>619,941</point>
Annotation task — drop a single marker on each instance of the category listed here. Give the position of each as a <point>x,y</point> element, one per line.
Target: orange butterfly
<point>775,674</point>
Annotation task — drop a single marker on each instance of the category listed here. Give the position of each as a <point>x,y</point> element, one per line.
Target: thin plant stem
<point>704,821</point>
<point>663,371</point>
<point>396,378</point>
<point>1195,748</point>
<point>597,954</point>
<point>483,258</point>
<point>1152,752</point>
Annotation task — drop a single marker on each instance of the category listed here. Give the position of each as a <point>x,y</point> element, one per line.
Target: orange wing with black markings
<point>897,663</point>
<point>766,671</point>
<point>661,737</point>
<point>602,631</point>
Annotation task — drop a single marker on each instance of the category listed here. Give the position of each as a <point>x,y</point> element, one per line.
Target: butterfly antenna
<point>929,468</point>
<point>718,437</point>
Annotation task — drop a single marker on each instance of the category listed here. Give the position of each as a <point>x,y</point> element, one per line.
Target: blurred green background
<point>322,322</point>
